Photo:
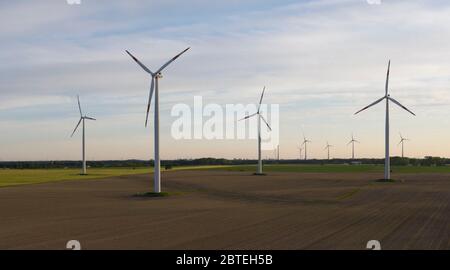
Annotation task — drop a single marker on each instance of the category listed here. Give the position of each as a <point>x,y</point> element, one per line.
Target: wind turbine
<point>387,169</point>
<point>402,140</point>
<point>328,149</point>
<point>305,142</point>
<point>258,114</point>
<point>300,148</point>
<point>155,76</point>
<point>278,149</point>
<point>353,146</point>
<point>83,150</point>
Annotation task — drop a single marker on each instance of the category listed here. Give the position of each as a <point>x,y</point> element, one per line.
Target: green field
<point>9,177</point>
<point>34,176</point>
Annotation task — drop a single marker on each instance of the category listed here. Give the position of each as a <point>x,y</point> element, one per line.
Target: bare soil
<point>230,210</point>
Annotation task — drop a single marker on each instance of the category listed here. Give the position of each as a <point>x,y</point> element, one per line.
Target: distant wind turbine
<point>83,150</point>
<point>155,76</point>
<point>305,143</point>
<point>353,146</point>
<point>387,165</point>
<point>300,148</point>
<point>402,140</point>
<point>328,149</point>
<point>260,117</point>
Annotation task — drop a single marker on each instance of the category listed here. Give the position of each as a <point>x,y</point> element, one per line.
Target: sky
<point>321,61</point>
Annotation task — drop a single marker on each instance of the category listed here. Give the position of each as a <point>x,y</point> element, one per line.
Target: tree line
<point>396,161</point>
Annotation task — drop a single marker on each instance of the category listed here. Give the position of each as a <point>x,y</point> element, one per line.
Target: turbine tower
<point>387,97</point>
<point>300,148</point>
<point>83,145</point>
<point>402,140</point>
<point>155,76</point>
<point>258,114</point>
<point>328,149</point>
<point>353,146</point>
<point>305,143</point>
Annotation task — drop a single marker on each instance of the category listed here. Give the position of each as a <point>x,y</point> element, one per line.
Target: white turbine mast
<point>83,145</point>
<point>300,149</point>
<point>327,147</point>
<point>260,117</point>
<point>402,141</point>
<point>352,141</point>
<point>155,76</point>
<point>387,97</point>
<point>305,143</point>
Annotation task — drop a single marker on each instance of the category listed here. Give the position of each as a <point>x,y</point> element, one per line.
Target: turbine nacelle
<point>353,140</point>
<point>82,117</point>
<point>155,75</point>
<point>386,96</point>
<point>402,139</point>
<point>258,112</point>
<point>305,141</point>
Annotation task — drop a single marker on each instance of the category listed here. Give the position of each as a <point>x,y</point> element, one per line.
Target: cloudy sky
<point>320,60</point>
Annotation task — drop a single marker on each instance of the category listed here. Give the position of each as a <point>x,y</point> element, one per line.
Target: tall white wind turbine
<point>402,141</point>
<point>305,143</point>
<point>328,150</point>
<point>353,145</point>
<point>387,97</point>
<point>155,76</point>
<point>83,145</point>
<point>260,117</point>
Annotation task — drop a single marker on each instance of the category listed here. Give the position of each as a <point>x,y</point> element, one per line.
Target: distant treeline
<point>427,161</point>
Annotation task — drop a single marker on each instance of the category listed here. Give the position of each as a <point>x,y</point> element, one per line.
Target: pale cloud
<point>321,60</point>
<point>29,101</point>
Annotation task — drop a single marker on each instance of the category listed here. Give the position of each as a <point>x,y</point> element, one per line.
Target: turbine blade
<point>139,63</point>
<point>79,106</point>
<point>248,116</point>
<point>152,87</point>
<point>265,122</point>
<point>79,122</point>
<point>398,103</point>
<point>260,100</point>
<point>90,118</point>
<point>370,105</point>
<point>387,77</point>
<point>171,60</point>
